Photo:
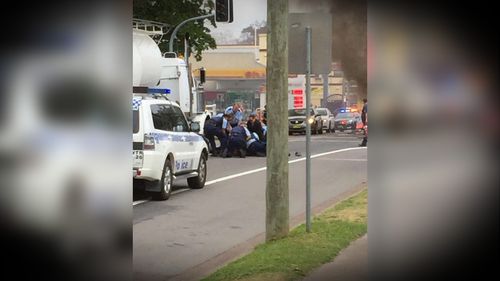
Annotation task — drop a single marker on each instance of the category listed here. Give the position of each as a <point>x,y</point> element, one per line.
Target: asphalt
<point>196,230</point>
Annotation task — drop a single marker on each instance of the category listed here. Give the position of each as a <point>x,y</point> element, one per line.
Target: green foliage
<point>248,33</point>
<point>296,255</point>
<point>173,12</point>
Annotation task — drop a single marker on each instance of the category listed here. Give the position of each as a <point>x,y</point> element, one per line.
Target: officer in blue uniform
<point>237,111</point>
<point>219,127</point>
<point>254,145</point>
<point>237,141</point>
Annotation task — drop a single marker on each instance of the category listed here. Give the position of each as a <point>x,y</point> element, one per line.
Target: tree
<point>224,37</point>
<point>248,33</point>
<point>173,12</point>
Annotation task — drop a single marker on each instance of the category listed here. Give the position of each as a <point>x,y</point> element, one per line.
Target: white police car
<point>165,147</point>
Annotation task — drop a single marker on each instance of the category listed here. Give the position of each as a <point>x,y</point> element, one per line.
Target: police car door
<point>184,160</point>
<point>168,135</point>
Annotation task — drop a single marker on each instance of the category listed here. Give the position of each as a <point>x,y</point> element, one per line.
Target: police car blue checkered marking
<point>136,103</point>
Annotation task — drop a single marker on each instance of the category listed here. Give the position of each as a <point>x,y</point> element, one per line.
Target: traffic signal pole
<point>174,33</point>
<point>223,8</point>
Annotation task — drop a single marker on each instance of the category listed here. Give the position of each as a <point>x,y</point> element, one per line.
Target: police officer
<point>254,145</point>
<point>237,141</point>
<point>364,112</point>
<point>237,111</point>
<point>219,127</point>
<point>364,118</point>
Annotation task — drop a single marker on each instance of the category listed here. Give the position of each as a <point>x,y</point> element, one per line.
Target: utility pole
<point>308,129</point>
<point>277,209</point>
<point>326,84</point>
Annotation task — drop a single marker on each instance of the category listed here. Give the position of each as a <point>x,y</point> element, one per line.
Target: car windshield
<point>298,112</point>
<point>345,115</point>
<point>322,112</point>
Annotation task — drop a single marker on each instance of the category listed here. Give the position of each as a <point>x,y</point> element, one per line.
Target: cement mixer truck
<point>166,147</point>
<point>163,74</point>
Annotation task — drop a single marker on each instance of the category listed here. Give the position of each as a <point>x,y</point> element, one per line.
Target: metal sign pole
<point>308,129</point>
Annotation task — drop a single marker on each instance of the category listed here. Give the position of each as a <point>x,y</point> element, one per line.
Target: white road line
<point>236,176</point>
<point>135,203</point>
<point>262,169</point>
<point>289,162</point>
<point>139,202</point>
<point>328,140</point>
<point>180,191</point>
<point>342,159</point>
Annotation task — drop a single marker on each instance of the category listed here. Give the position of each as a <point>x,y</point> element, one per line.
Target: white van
<point>165,147</point>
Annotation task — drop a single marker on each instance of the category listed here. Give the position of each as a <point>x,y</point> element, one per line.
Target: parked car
<point>328,119</point>
<point>297,121</point>
<point>165,147</point>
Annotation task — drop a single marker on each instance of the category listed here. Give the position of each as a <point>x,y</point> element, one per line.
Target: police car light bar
<point>158,91</point>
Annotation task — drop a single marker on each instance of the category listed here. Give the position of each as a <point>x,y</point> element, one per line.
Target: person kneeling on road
<point>255,146</point>
<point>219,127</point>
<point>237,141</point>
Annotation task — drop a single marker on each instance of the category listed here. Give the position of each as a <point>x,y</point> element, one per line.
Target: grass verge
<point>296,255</point>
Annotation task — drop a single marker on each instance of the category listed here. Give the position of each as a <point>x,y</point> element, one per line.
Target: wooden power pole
<point>277,210</point>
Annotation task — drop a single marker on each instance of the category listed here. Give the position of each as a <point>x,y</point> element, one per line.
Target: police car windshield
<point>298,112</point>
<point>345,115</point>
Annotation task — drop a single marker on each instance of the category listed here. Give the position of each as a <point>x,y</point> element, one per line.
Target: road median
<point>295,256</point>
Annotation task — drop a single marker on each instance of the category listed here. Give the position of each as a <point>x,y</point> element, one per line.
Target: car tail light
<point>149,142</point>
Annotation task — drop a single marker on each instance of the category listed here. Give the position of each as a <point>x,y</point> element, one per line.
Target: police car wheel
<point>165,182</point>
<point>199,181</point>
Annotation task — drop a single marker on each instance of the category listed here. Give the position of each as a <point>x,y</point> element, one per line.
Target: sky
<point>245,12</point>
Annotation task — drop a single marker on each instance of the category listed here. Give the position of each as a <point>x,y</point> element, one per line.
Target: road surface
<point>190,233</point>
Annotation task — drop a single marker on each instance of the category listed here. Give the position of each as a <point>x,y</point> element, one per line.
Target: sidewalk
<point>350,265</point>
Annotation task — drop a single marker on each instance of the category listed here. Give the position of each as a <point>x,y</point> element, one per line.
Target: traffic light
<point>202,75</point>
<point>224,11</point>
